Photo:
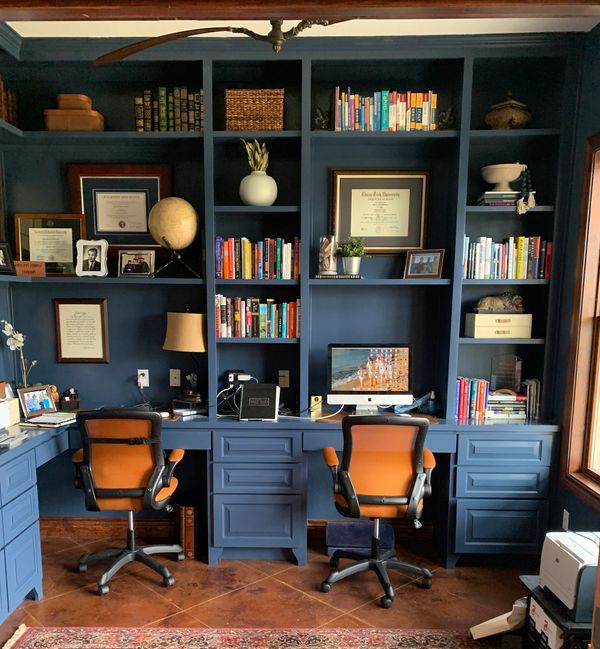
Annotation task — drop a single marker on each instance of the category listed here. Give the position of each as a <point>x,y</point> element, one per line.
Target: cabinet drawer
<point>498,448</point>
<point>258,478</point>
<point>17,476</point>
<point>498,482</point>
<point>258,521</point>
<point>19,514</point>
<point>23,566</point>
<point>53,447</point>
<point>498,526</point>
<point>257,446</point>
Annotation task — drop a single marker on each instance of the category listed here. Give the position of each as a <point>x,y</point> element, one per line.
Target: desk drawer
<point>19,514</point>
<point>500,526</point>
<point>258,521</point>
<point>500,482</point>
<point>257,446</point>
<point>258,478</point>
<point>53,447</point>
<point>515,449</point>
<point>17,476</point>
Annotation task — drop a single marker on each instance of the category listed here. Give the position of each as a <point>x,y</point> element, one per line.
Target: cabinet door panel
<point>17,476</point>
<point>520,448</point>
<point>23,566</point>
<point>258,478</point>
<point>258,521</point>
<point>53,447</point>
<point>497,526</point>
<point>3,591</point>
<point>497,482</point>
<point>257,446</point>
<point>19,514</point>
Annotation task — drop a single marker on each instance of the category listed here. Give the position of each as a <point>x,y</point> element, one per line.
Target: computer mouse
<point>164,414</point>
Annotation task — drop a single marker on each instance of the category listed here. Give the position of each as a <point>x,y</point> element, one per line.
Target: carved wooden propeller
<point>277,37</point>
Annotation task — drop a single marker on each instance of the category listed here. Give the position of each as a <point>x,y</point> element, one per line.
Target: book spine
<point>162,108</point>
<point>138,108</point>
<point>147,110</point>
<point>170,111</point>
<point>183,99</point>
<point>155,114</point>
<point>177,108</point>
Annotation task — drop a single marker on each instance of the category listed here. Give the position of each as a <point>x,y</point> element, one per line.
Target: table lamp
<point>186,333</point>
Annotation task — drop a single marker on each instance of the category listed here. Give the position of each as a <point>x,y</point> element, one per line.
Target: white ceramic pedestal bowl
<point>501,175</point>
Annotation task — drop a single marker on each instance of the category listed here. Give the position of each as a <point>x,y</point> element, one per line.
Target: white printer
<point>568,570</point>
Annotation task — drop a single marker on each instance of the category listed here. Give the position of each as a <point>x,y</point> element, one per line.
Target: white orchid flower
<point>16,341</point>
<point>8,329</point>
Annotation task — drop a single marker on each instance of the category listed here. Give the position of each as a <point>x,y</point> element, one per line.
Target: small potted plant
<point>258,188</point>
<point>351,250</point>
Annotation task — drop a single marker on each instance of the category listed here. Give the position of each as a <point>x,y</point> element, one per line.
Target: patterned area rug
<point>157,638</point>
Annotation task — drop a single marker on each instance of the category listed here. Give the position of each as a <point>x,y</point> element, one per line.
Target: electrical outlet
<point>143,378</point>
<point>284,378</point>
<point>565,523</point>
<point>174,378</point>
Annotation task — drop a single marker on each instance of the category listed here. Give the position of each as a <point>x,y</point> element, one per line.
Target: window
<point>580,471</point>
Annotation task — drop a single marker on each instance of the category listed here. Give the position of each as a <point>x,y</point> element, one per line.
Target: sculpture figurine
<point>322,119</point>
<point>505,303</point>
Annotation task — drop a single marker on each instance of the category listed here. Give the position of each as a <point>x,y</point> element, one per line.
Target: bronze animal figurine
<point>505,303</point>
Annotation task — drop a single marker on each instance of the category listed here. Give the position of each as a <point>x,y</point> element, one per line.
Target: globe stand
<point>175,257</point>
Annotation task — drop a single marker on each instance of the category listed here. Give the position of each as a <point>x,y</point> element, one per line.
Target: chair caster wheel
<point>82,567</point>
<point>386,601</point>
<point>103,590</point>
<point>325,587</point>
<point>168,581</point>
<point>426,583</point>
<point>180,556</point>
<point>334,562</point>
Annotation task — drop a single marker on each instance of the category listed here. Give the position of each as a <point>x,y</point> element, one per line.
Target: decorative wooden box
<point>498,325</point>
<point>72,101</point>
<point>254,110</point>
<point>73,120</point>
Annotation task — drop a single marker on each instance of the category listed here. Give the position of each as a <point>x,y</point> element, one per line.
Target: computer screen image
<point>368,375</point>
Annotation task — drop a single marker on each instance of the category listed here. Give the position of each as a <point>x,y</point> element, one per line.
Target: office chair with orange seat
<point>121,466</point>
<point>385,473</point>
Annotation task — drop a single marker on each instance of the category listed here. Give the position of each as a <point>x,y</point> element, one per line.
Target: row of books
<point>169,110</point>
<point>498,198</point>
<point>249,317</point>
<point>271,258</point>
<point>514,258</point>
<point>385,110</point>
<point>474,401</point>
<point>471,399</point>
<point>8,104</point>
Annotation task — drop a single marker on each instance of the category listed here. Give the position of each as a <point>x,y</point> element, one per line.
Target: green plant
<point>258,156</point>
<point>351,247</point>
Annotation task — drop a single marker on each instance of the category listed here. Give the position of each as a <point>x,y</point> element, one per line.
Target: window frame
<point>584,353</point>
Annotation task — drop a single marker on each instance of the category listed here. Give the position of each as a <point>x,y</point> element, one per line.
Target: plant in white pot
<point>351,250</point>
<point>258,188</point>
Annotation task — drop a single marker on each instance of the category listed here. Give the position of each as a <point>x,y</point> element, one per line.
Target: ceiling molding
<point>24,10</point>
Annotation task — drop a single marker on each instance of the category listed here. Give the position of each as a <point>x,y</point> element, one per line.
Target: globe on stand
<point>173,224</point>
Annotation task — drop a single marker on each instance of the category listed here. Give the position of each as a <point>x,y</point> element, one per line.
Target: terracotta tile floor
<point>265,594</point>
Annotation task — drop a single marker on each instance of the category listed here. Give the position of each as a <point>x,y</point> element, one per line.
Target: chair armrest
<point>428,459</point>
<point>77,457</point>
<point>330,456</point>
<point>176,455</point>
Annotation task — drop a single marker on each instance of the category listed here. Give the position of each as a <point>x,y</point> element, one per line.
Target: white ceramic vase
<point>258,189</point>
<point>351,265</point>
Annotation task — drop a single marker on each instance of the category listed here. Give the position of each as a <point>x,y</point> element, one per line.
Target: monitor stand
<point>365,411</point>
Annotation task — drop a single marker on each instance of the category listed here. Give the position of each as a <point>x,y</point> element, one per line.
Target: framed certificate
<point>386,208</point>
<point>117,198</point>
<point>81,330</point>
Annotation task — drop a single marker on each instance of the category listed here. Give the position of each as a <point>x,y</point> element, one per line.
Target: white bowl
<point>501,175</point>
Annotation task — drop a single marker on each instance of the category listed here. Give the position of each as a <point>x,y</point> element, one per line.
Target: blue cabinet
<point>258,495</point>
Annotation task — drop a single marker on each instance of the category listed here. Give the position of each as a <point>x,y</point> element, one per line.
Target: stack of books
<point>506,405</point>
<point>533,390</point>
<point>498,198</point>
<point>471,399</point>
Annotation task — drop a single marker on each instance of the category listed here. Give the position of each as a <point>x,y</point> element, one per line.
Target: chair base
<point>379,562</point>
<point>127,555</point>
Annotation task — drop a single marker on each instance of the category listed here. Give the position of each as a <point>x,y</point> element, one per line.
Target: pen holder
<point>70,405</point>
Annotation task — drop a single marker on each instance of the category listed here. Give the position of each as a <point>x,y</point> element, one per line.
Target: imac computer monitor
<point>369,375</point>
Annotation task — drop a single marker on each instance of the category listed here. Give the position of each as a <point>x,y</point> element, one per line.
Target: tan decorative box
<point>498,325</point>
<point>73,120</point>
<point>71,101</point>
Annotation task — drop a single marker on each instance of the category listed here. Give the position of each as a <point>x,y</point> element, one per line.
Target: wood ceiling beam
<point>23,10</point>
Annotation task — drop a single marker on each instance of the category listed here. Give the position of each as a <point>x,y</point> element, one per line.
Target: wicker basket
<point>254,110</point>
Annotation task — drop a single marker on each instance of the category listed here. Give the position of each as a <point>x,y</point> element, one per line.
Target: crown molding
<point>10,41</point>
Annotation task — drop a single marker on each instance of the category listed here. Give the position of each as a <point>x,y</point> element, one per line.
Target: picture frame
<point>36,400</point>
<point>6,260</point>
<point>424,264</point>
<point>136,263</point>
<point>386,208</point>
<point>92,258</point>
<point>117,198</point>
<point>81,330</point>
<point>50,238</point>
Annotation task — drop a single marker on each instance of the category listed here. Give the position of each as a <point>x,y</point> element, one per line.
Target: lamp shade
<point>185,332</point>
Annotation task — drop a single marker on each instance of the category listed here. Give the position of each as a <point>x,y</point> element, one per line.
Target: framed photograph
<point>136,263</point>
<point>386,208</point>
<point>424,264</point>
<point>117,198</point>
<point>50,238</point>
<point>91,258</point>
<point>6,260</point>
<point>81,330</point>
<point>36,400</point>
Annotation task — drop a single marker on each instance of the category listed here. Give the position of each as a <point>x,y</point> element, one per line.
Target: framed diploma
<point>386,208</point>
<point>51,238</point>
<point>117,198</point>
<point>81,330</point>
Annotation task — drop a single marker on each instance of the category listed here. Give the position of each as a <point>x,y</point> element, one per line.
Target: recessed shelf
<point>149,281</point>
<point>501,341</point>
<point>506,282</point>
<point>246,135</point>
<point>384,135</point>
<point>514,134</point>
<point>259,341</point>
<point>508,209</point>
<point>251,209</point>
<point>256,282</point>
<point>86,138</point>
<point>380,282</point>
